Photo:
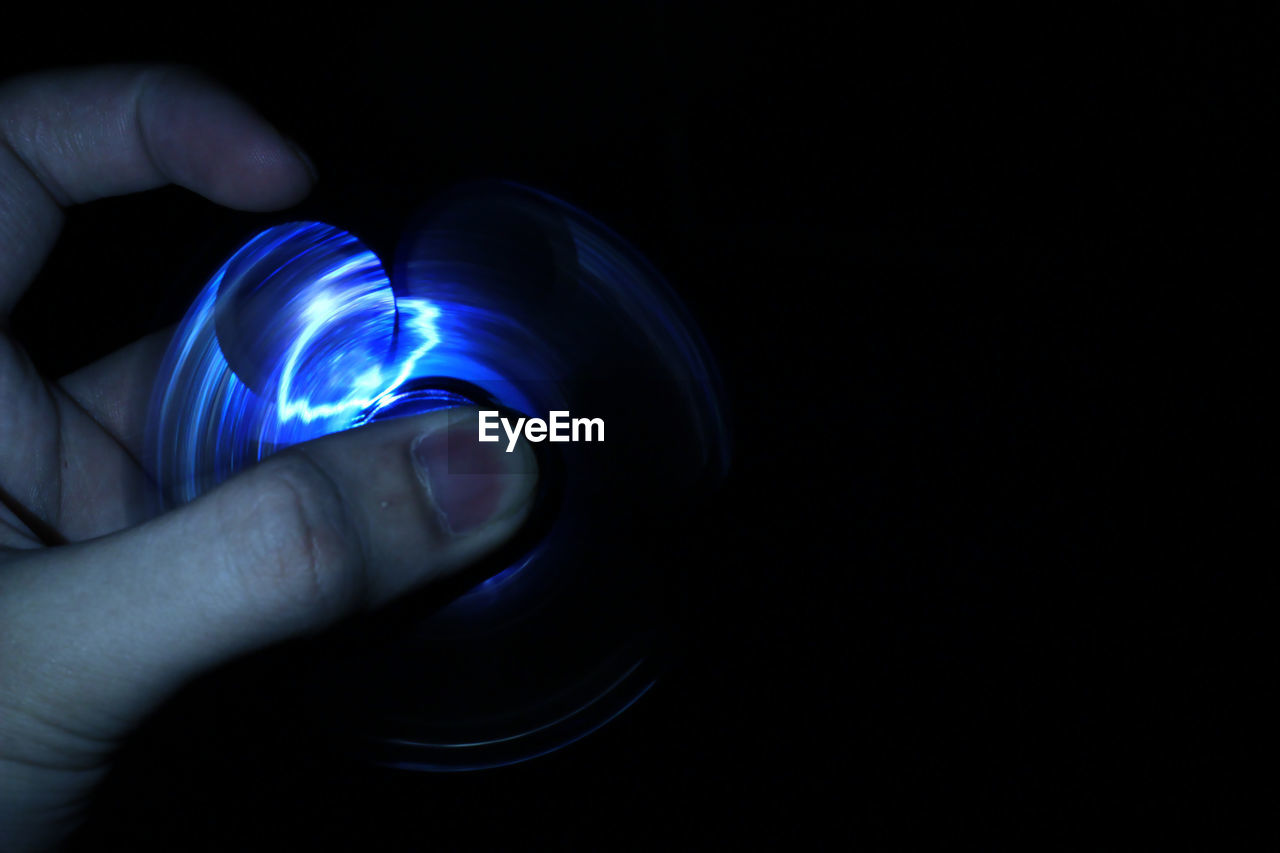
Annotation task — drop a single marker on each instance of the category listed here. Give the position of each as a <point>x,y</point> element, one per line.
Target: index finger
<point>72,136</point>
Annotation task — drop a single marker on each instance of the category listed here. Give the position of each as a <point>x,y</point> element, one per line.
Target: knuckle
<point>296,549</point>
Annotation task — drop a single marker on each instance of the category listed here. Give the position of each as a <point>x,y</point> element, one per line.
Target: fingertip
<point>306,161</point>
<point>272,176</point>
<point>430,498</point>
<point>207,139</point>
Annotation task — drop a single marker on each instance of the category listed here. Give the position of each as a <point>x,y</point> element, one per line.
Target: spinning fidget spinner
<point>500,296</point>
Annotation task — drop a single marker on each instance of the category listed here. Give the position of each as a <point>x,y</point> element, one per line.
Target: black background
<point>976,284</point>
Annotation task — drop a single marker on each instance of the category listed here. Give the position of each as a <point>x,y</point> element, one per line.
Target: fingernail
<point>306,160</point>
<point>471,483</point>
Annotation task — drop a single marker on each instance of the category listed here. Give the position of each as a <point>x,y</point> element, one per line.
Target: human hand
<point>98,629</point>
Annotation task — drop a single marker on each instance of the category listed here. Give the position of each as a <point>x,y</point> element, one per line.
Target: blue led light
<point>297,336</point>
<point>366,383</point>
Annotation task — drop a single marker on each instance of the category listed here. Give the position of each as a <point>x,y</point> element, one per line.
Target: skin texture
<point>103,611</point>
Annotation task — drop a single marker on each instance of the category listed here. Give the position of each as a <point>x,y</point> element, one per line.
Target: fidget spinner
<point>499,296</point>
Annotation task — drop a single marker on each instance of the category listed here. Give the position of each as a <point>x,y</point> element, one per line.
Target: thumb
<point>95,634</point>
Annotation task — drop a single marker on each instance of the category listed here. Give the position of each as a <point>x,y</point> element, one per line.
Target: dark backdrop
<point>974,281</point>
